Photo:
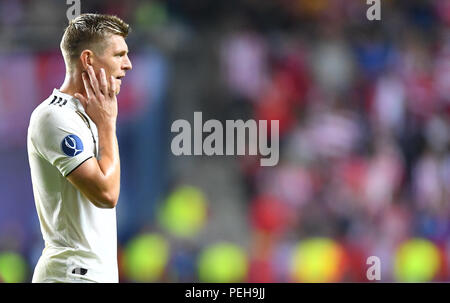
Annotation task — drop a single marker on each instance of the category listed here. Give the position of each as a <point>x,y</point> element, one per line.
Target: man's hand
<point>101,101</point>
<point>99,179</point>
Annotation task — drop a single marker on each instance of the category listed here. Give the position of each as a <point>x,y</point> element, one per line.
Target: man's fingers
<point>93,80</point>
<point>103,82</point>
<point>112,86</point>
<point>87,85</point>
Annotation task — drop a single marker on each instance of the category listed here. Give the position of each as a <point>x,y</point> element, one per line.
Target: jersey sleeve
<point>63,139</point>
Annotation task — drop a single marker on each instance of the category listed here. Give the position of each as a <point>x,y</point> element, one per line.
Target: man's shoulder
<point>53,110</point>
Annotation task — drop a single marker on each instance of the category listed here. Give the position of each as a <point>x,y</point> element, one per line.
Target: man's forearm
<point>109,160</point>
<point>99,179</point>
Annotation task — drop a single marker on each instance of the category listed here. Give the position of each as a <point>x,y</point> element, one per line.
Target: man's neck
<point>73,84</point>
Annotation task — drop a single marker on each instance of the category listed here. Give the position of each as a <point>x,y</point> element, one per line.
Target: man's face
<point>114,59</point>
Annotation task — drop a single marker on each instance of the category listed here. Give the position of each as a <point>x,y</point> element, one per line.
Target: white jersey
<point>80,238</point>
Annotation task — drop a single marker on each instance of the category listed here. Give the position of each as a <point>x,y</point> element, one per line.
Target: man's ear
<point>86,57</point>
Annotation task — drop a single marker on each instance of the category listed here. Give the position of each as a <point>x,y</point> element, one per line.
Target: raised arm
<point>99,178</point>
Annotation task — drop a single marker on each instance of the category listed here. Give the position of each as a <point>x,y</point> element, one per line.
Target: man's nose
<point>127,64</point>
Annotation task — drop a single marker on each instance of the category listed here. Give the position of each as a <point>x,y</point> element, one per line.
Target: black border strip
<point>78,166</point>
<point>276,292</point>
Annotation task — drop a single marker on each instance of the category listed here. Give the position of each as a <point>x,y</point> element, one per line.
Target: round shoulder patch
<point>72,145</point>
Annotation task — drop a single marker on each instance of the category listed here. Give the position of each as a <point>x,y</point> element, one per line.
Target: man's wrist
<point>108,126</point>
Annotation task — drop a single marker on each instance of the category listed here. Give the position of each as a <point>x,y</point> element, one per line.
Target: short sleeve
<point>63,139</point>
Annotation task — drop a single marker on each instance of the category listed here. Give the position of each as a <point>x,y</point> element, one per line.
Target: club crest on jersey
<point>72,145</point>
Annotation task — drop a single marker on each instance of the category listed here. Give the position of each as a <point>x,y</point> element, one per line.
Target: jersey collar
<point>71,101</point>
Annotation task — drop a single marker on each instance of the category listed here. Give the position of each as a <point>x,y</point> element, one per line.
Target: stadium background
<point>363,109</point>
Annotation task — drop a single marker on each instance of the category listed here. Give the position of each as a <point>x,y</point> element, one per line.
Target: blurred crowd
<point>363,108</point>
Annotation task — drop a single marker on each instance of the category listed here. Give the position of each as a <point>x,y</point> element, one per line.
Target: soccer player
<point>74,156</point>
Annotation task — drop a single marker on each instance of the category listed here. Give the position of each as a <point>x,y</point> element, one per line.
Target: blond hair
<point>88,31</point>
